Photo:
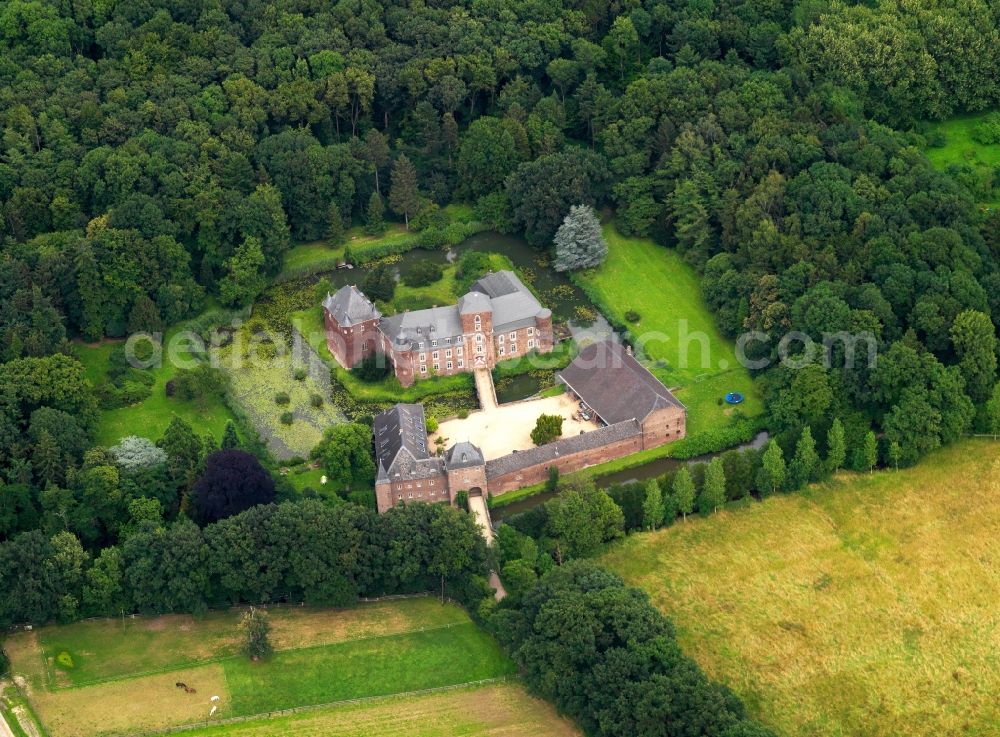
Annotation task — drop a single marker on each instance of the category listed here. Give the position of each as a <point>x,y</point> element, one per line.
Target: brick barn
<point>636,410</point>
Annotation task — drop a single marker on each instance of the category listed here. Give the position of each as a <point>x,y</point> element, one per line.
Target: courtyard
<point>506,428</point>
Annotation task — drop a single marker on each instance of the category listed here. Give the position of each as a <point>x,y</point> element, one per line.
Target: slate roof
<point>349,306</point>
<point>474,302</point>
<point>421,326</point>
<point>400,435</point>
<point>614,384</point>
<point>564,446</point>
<point>502,293</point>
<point>463,455</point>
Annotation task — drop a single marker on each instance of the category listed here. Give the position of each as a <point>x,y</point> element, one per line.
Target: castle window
<point>479,338</point>
<point>437,366</point>
<point>531,331</point>
<point>479,349</point>
<point>447,353</point>
<point>434,355</point>
<point>458,351</point>
<point>513,349</point>
<point>500,340</point>
<point>423,357</point>
<point>513,336</point>
<point>461,363</point>
<point>423,369</point>
<point>479,320</point>
<point>434,344</point>
<point>531,344</point>
<point>501,350</point>
<point>449,365</point>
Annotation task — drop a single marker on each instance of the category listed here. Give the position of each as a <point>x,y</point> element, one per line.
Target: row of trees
<point>295,551</point>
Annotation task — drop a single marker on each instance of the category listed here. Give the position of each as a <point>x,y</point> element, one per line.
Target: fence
<point>317,707</point>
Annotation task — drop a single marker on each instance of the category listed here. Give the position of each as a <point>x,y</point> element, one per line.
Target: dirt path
<point>477,505</point>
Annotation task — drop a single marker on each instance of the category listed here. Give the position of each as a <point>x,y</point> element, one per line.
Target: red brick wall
<point>664,426</point>
<point>566,464</point>
<point>466,479</point>
<point>435,489</point>
<point>353,344</point>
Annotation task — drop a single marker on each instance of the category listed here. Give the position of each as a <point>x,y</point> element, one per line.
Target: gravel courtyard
<point>508,427</point>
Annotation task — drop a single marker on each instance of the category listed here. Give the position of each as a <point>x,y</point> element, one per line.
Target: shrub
<point>256,628</point>
<point>633,316</point>
<point>300,374</point>
<point>200,383</point>
<point>373,369</point>
<point>282,398</point>
<point>463,414</point>
<point>316,400</point>
<point>65,660</point>
<point>987,131</point>
<point>287,418</point>
<point>547,429</point>
<point>423,273</point>
<point>379,283</point>
<point>432,425</point>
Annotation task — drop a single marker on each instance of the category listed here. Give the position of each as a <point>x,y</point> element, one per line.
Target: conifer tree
<point>579,241</point>
<point>375,214</point>
<point>404,196</point>
<point>334,226</point>
<point>230,439</point>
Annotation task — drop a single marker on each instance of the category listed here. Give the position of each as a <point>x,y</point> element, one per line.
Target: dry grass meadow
<point>502,710</point>
<point>868,605</point>
<point>124,674</point>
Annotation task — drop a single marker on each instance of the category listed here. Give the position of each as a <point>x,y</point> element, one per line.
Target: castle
<point>635,411</point>
<point>499,318</point>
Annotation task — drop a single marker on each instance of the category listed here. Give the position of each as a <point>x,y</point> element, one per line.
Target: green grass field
<point>678,331</point>
<point>150,417</point>
<point>499,710</point>
<point>960,149</point>
<point>124,681</point>
<point>866,605</point>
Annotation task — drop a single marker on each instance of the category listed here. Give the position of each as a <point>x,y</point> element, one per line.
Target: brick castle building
<point>636,410</point>
<point>498,319</point>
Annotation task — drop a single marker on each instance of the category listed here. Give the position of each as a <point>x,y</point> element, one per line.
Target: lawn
<point>369,667</point>
<point>108,649</point>
<point>866,605</point>
<point>960,149</point>
<point>499,710</point>
<point>317,256</point>
<point>685,348</point>
<point>150,417</point>
<point>127,683</point>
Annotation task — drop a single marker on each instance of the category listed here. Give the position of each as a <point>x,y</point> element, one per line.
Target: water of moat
<point>651,470</point>
<point>568,303</point>
<point>570,307</point>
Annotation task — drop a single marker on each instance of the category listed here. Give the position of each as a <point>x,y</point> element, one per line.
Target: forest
<point>160,157</point>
